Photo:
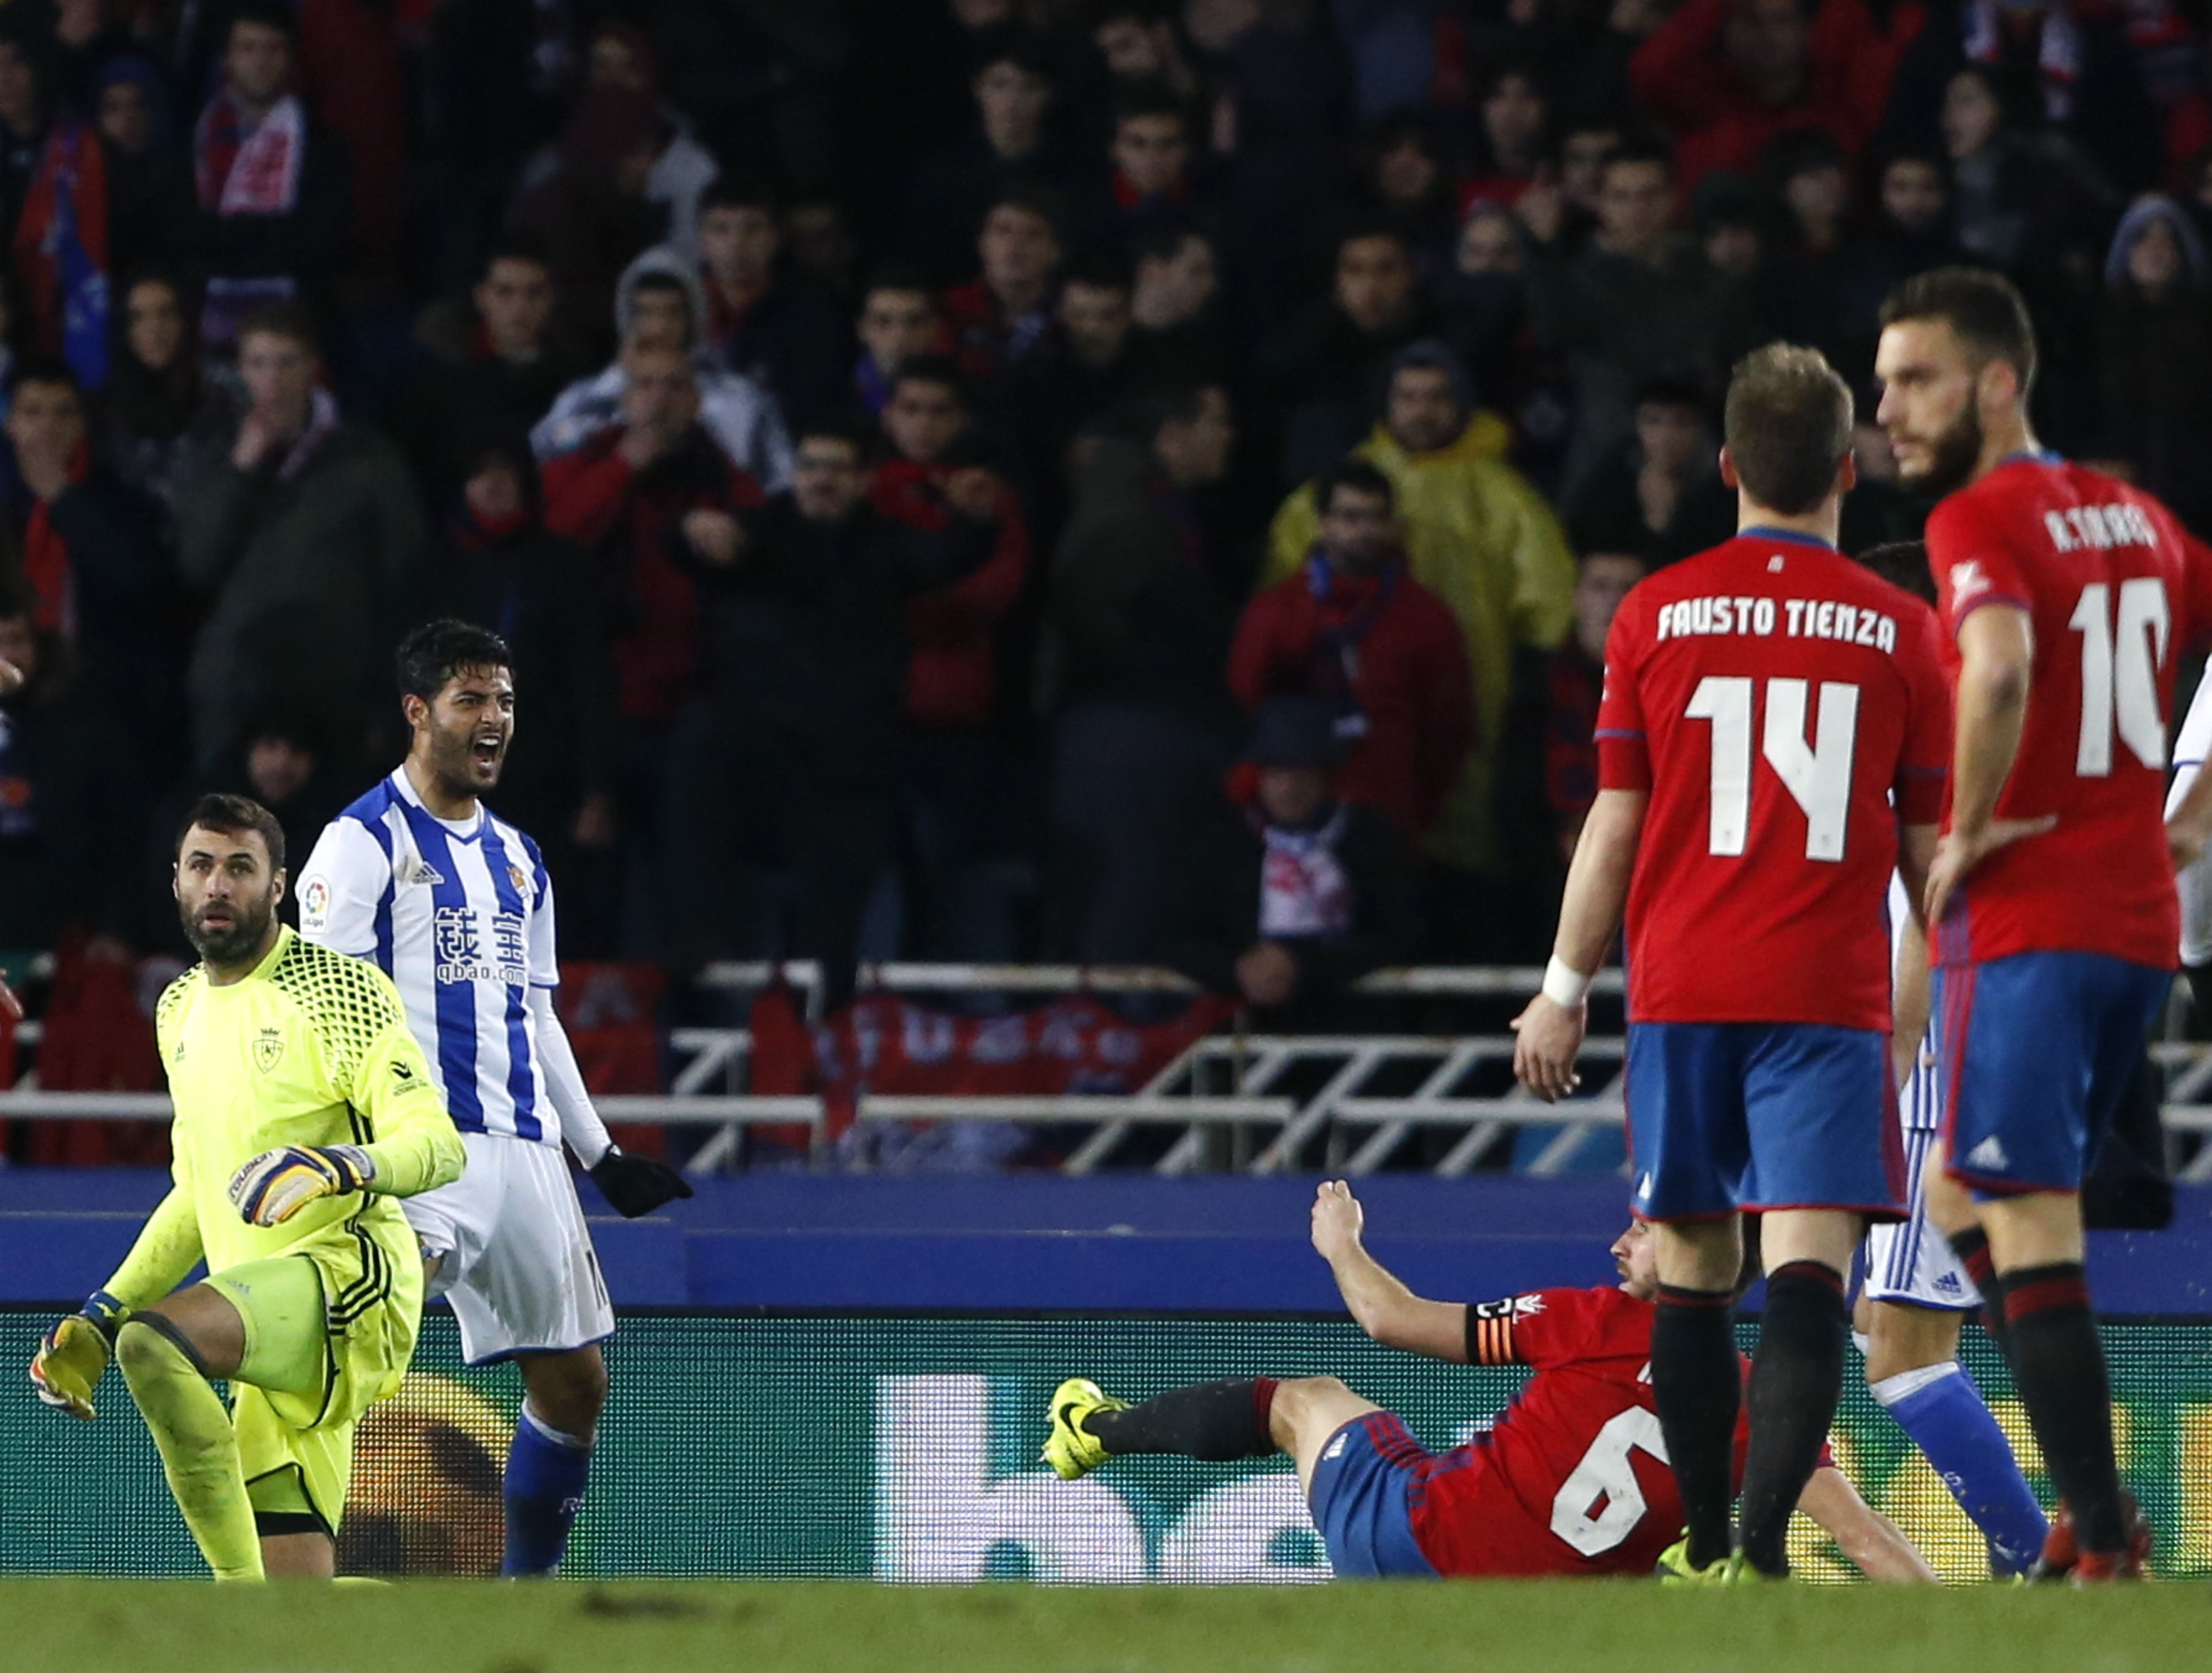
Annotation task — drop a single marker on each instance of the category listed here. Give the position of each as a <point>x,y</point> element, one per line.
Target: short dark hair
<point>898,276</point>
<point>282,318</point>
<point>1031,198</point>
<point>1096,269</point>
<point>269,14</point>
<point>1150,99</point>
<point>1787,427</point>
<point>1637,149</point>
<point>1903,563</point>
<point>231,815</point>
<point>739,192</point>
<point>515,247</point>
<point>1359,477</point>
<point>1984,308</point>
<point>931,369</point>
<point>1363,227</point>
<point>855,430</point>
<point>1179,403</point>
<point>46,369</point>
<point>434,652</point>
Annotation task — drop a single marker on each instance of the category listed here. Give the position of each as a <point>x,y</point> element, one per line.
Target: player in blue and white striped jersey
<point>455,905</point>
<point>1915,1294</point>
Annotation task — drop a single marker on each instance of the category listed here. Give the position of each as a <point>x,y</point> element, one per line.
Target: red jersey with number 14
<point>1786,709</point>
<point>2116,590</point>
<point>1573,1477</point>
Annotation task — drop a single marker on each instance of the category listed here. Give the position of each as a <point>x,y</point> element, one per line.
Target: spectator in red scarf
<point>961,776</point>
<point>1001,316</point>
<point>1353,630</point>
<point>273,185</point>
<point>101,580</point>
<point>55,195</point>
<point>764,321</point>
<point>351,76</point>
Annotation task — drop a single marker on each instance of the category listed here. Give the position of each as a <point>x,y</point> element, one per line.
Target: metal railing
<point>1257,1103</point>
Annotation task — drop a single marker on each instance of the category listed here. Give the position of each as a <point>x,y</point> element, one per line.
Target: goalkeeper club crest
<point>269,1050</point>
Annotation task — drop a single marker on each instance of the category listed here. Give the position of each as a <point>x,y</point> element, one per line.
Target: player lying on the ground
<point>303,1107</point>
<point>1572,1478</point>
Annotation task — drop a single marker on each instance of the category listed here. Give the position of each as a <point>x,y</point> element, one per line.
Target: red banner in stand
<point>892,1048</point>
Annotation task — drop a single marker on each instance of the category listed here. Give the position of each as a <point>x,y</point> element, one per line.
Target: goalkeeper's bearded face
<point>227,892</point>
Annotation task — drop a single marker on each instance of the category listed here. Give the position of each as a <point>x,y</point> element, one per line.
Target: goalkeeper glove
<point>278,1184</point>
<point>636,1185</point>
<point>74,1355</point>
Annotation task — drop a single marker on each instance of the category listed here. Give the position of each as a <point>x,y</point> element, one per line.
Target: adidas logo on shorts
<point>1987,1154</point>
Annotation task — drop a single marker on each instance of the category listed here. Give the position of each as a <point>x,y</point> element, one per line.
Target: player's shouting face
<point>461,735</point>
<point>1933,387</point>
<point>226,893</point>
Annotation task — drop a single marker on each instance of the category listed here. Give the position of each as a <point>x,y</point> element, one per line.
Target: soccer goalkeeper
<point>303,1107</point>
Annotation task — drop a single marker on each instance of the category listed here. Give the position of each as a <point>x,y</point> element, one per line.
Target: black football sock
<point>2058,1363</point>
<point>1971,1247</point>
<point>1212,1421</point>
<point>1698,1390</point>
<point>1796,1378</point>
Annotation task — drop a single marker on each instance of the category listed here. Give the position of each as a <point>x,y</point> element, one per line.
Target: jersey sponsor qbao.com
<point>460,917</point>
<point>2115,591</point>
<point>1773,698</point>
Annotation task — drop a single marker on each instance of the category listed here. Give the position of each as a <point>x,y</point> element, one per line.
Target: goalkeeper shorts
<point>290,1471</point>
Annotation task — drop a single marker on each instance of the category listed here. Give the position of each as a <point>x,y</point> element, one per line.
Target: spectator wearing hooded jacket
<point>2154,349</point>
<point>1480,538</point>
<point>1353,630</point>
<point>660,305</point>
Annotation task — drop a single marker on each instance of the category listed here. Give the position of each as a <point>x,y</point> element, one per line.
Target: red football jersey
<point>2116,590</point>
<point>1573,1477</point>
<point>1773,697</point>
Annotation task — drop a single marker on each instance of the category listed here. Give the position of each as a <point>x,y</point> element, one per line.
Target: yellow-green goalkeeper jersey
<point>311,1048</point>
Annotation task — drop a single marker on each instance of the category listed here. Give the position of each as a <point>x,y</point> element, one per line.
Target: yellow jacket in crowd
<point>1480,536</point>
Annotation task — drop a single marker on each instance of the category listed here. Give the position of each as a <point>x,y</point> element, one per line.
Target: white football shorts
<point>1911,1260</point>
<point>516,1260</point>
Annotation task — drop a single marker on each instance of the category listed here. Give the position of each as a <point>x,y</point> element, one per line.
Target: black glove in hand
<point>636,1185</point>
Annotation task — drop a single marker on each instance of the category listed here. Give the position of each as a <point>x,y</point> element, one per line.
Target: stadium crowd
<point>980,479</point>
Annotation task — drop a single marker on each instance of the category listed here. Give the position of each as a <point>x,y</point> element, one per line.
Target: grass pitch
<point>114,1627</point>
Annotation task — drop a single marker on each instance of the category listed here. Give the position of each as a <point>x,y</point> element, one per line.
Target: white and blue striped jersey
<point>1919,1102</point>
<point>460,917</point>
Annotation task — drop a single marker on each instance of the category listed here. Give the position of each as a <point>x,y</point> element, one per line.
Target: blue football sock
<point>545,1476</point>
<point>1940,1407</point>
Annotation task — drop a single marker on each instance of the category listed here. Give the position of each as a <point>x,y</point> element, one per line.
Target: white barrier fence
<point>1255,1103</point>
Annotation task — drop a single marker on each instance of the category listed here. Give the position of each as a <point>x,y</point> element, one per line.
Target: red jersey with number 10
<point>1573,1477</point>
<point>2115,589</point>
<point>1786,709</point>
